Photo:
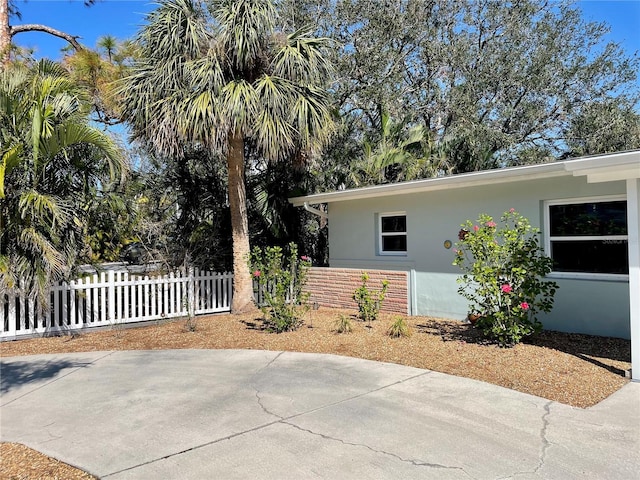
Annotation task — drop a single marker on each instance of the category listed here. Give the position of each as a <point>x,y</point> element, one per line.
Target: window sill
<point>392,254</point>
<point>603,277</point>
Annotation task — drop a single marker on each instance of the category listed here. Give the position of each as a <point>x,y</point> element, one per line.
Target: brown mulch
<point>23,463</point>
<point>578,370</point>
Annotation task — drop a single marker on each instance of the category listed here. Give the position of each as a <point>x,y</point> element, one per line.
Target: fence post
<point>111,295</point>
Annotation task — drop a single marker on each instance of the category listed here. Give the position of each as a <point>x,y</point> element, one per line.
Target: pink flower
<point>476,228</point>
<point>455,250</point>
<point>512,210</point>
<point>491,224</point>
<point>506,288</point>
<point>524,306</point>
<point>304,258</point>
<point>257,273</point>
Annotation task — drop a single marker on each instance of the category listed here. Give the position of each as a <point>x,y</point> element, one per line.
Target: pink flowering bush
<point>278,281</point>
<point>503,277</point>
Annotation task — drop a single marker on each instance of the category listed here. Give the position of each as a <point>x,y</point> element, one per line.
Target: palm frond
<point>46,208</point>
<point>273,133</point>
<point>177,28</point>
<point>311,117</point>
<point>50,257</point>
<point>244,29</point>
<point>302,60</point>
<point>8,279</point>
<point>69,134</point>
<point>238,104</point>
<point>10,159</point>
<point>172,72</point>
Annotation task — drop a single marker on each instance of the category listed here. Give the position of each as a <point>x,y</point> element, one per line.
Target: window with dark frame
<point>589,237</point>
<point>393,233</point>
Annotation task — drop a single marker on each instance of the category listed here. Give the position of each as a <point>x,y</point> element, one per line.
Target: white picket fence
<point>117,297</point>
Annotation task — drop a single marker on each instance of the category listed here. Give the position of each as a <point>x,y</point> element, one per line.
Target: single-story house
<point>412,226</point>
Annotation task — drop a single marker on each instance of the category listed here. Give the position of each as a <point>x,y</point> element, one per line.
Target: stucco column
<point>633,226</point>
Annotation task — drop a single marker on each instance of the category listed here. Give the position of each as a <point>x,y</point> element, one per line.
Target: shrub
<point>369,302</point>
<point>503,276</point>
<point>399,328</point>
<point>278,284</point>
<point>343,324</point>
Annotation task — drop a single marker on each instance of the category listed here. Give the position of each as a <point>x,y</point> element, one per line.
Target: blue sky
<point>121,18</point>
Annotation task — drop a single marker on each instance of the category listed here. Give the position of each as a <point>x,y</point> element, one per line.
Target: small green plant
<point>503,276</point>
<point>399,328</point>
<point>343,324</point>
<point>369,302</point>
<point>278,283</point>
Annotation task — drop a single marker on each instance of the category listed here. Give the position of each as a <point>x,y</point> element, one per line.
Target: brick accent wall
<point>334,287</point>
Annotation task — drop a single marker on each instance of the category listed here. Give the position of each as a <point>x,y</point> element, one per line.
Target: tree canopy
<point>495,83</point>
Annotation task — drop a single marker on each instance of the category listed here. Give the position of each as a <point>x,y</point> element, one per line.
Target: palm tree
<point>49,159</point>
<point>109,44</point>
<point>400,154</point>
<point>226,78</point>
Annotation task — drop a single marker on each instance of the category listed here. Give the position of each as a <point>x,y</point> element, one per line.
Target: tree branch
<point>34,27</point>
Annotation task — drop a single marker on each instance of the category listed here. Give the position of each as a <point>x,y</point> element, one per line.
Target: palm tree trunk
<point>242,282</point>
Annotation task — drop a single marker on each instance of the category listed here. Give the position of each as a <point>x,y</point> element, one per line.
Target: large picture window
<point>393,233</point>
<point>588,237</point>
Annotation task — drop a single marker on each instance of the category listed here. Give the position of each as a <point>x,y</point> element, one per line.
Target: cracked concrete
<point>544,445</point>
<point>246,414</point>
<point>543,437</point>
<point>415,462</point>
<point>256,375</point>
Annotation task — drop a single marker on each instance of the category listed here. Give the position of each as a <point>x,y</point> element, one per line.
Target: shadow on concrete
<point>18,373</point>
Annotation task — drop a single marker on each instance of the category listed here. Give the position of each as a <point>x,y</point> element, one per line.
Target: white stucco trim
<point>607,168</point>
<point>633,226</point>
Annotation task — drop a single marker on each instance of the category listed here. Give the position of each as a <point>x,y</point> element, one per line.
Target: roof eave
<point>597,168</point>
<point>487,177</point>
